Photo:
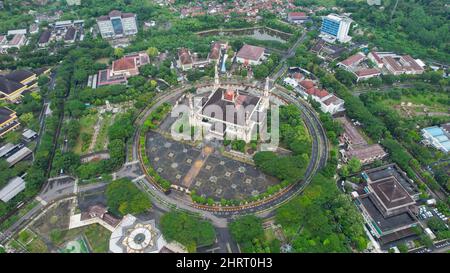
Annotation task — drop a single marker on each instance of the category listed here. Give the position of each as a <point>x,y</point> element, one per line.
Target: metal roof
<point>11,189</point>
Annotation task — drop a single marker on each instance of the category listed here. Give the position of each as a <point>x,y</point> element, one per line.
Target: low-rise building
<point>14,84</point>
<point>18,156</point>
<point>358,65</point>
<point>297,17</point>
<point>187,60</point>
<point>250,55</point>
<point>8,121</point>
<point>387,200</point>
<point>67,31</point>
<point>391,63</point>
<point>355,146</point>
<point>12,188</point>
<point>122,69</point>
<point>438,137</point>
<point>29,135</point>
<point>17,41</point>
<point>329,103</point>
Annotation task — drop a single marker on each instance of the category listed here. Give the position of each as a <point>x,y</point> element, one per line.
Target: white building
<point>135,236</point>
<point>438,137</point>
<point>335,27</point>
<point>250,55</point>
<point>230,112</point>
<point>117,24</point>
<point>329,103</point>
<point>391,63</point>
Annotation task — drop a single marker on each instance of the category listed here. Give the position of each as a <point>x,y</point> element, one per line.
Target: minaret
<point>216,77</point>
<point>266,88</point>
<point>191,111</point>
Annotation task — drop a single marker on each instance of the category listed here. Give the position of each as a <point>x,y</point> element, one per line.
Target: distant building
<point>8,121</point>
<point>122,69</point>
<point>250,55</point>
<point>67,31</point>
<point>387,201</point>
<point>17,41</point>
<point>356,146</point>
<point>17,31</point>
<point>14,84</point>
<point>18,156</point>
<point>438,137</point>
<point>297,17</point>
<point>335,27</point>
<point>29,135</point>
<point>12,188</point>
<point>357,65</point>
<point>329,103</point>
<point>34,28</point>
<point>216,49</point>
<point>187,60</point>
<point>44,39</point>
<point>117,24</point>
<point>391,63</point>
<point>328,51</point>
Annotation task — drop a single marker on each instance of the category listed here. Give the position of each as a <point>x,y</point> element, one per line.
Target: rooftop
<point>250,52</point>
<point>391,193</point>
<point>124,63</point>
<point>354,59</point>
<point>8,86</point>
<point>5,114</point>
<point>386,223</point>
<point>14,187</point>
<point>366,152</point>
<point>230,100</point>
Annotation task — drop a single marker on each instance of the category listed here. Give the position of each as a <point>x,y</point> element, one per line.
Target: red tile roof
<point>376,56</point>
<point>215,51</point>
<point>307,84</point>
<point>250,52</point>
<point>295,15</point>
<point>125,63</point>
<point>352,60</point>
<point>367,72</point>
<point>184,56</point>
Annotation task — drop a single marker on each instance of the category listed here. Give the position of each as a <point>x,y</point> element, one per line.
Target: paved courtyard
<point>219,176</point>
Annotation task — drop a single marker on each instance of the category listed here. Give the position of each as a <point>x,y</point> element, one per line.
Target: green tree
<point>187,230</point>
<point>246,229</point>
<point>119,52</point>
<point>123,197</point>
<point>152,52</point>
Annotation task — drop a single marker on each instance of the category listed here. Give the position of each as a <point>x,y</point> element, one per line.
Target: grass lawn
<point>32,242</point>
<point>430,101</point>
<point>98,238</point>
<point>76,246</point>
<point>87,124</point>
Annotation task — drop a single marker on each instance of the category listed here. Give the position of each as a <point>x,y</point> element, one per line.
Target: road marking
<point>42,201</point>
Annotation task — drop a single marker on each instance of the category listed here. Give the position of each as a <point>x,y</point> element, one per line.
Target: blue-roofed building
<point>437,137</point>
<point>335,27</point>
